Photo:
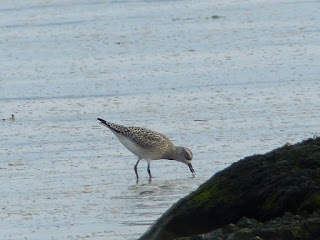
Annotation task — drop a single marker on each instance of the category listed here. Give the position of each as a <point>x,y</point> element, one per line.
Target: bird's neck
<point>174,153</point>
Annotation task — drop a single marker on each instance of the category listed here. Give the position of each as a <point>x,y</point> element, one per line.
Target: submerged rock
<point>261,188</point>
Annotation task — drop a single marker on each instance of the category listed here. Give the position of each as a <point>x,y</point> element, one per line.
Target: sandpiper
<point>149,145</point>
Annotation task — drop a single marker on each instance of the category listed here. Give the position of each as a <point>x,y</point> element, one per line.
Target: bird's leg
<point>149,169</point>
<point>135,168</point>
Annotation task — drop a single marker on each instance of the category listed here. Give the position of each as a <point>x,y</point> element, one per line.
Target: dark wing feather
<point>142,136</point>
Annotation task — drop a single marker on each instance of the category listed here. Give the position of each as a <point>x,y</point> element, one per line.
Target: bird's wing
<point>146,138</point>
<point>141,136</point>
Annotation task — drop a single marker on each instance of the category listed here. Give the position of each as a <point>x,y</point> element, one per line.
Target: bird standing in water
<point>149,145</point>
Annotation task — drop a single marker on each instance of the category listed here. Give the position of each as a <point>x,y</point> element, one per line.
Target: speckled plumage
<point>142,136</point>
<point>149,145</point>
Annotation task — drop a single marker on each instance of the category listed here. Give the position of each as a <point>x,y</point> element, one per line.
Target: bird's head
<point>185,156</point>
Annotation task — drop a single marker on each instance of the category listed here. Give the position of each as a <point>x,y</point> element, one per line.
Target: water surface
<point>226,87</point>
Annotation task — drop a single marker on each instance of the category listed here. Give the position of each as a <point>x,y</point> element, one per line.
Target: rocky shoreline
<point>270,196</point>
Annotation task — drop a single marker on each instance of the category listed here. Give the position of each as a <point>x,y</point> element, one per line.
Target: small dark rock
<point>216,17</point>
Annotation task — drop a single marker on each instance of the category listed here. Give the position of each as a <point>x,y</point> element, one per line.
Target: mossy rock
<point>259,187</point>
<point>288,227</point>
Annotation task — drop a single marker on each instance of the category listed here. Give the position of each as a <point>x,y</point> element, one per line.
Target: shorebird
<point>149,145</point>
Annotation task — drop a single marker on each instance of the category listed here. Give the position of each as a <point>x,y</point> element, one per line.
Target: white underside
<point>134,148</point>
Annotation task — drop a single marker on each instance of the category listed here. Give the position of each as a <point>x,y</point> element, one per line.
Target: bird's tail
<point>103,122</point>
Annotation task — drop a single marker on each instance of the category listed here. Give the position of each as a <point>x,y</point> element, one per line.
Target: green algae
<point>311,203</point>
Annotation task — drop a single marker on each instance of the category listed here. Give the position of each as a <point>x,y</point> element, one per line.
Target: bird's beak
<point>190,167</point>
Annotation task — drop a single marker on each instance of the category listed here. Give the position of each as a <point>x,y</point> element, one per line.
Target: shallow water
<point>226,87</point>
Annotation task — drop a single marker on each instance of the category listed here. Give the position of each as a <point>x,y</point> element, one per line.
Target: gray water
<point>228,87</point>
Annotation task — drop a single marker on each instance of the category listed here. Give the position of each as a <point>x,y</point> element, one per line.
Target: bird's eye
<point>188,155</point>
